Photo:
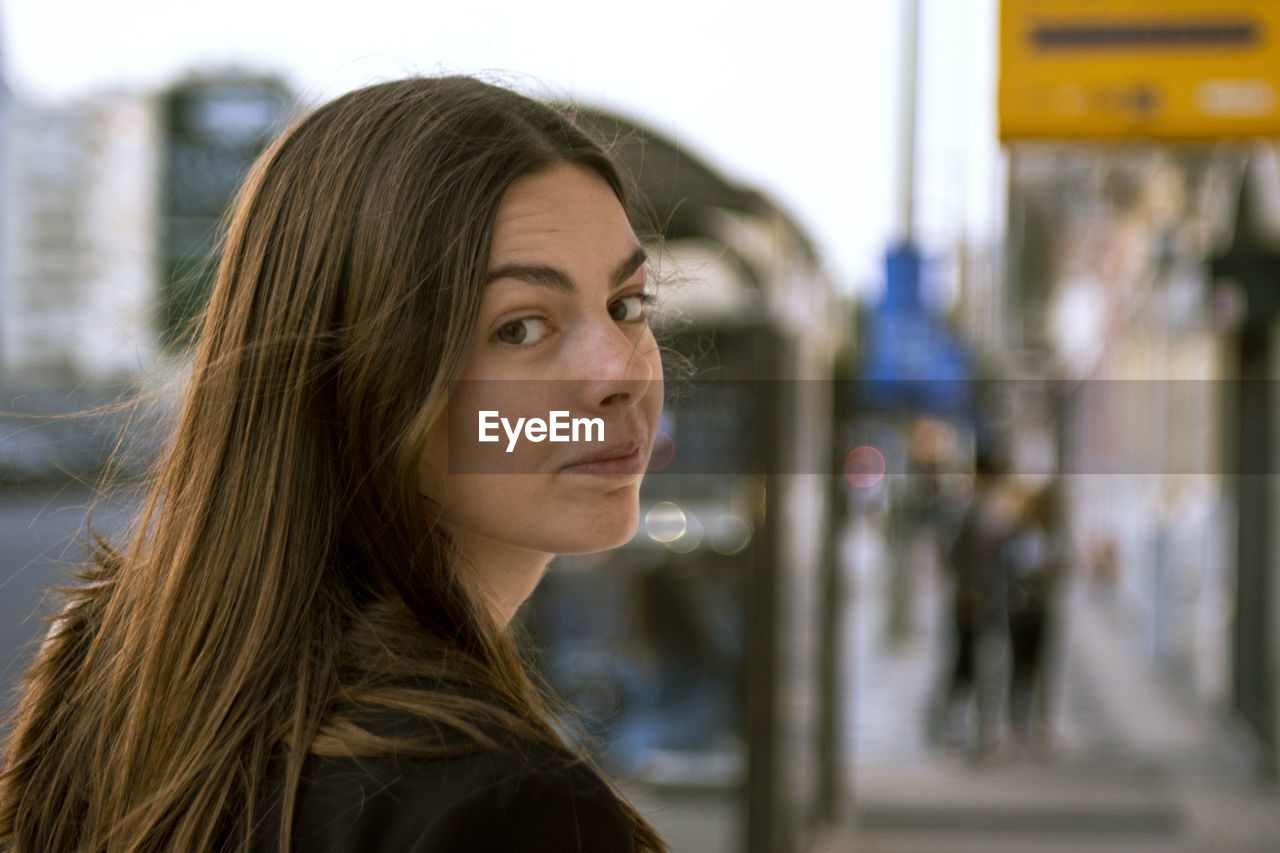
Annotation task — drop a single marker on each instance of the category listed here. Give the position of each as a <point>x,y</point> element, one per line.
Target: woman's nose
<point>618,368</point>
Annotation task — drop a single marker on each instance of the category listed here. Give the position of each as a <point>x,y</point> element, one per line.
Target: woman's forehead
<point>564,211</point>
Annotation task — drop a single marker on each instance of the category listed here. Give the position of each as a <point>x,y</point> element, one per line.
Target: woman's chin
<point>601,533</point>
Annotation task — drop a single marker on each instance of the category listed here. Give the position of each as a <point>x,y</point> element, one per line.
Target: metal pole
<point>766,829</point>
<point>907,182</point>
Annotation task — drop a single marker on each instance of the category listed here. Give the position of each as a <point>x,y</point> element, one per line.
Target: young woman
<point>304,643</point>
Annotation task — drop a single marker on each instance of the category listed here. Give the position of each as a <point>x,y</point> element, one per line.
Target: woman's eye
<point>523,332</point>
<point>630,309</point>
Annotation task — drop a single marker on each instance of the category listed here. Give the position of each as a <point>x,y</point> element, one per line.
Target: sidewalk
<point>1133,768</point>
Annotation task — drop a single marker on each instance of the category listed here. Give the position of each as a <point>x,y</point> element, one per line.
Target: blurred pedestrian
<point>306,642</point>
<point>1033,562</point>
<point>977,605</point>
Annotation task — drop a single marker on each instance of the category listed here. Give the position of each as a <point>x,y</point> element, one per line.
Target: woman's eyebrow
<point>548,276</point>
<point>628,268</point>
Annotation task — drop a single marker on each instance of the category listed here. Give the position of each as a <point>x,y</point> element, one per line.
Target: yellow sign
<point>1139,69</point>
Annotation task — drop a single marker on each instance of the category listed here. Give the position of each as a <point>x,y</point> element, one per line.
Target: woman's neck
<point>499,577</point>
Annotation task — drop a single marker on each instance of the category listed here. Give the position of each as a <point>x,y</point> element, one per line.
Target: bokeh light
<point>664,451</point>
<point>864,467</point>
<point>729,535</point>
<point>665,522</point>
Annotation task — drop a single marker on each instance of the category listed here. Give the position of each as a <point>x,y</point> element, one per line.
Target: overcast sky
<point>799,99</point>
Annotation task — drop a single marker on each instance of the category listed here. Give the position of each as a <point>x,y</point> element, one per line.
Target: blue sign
<point>912,361</point>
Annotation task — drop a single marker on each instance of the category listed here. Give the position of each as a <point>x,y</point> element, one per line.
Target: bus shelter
<point>701,656</point>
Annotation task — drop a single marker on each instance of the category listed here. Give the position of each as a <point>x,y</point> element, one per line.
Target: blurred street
<point>1133,765</point>
<point>39,526</point>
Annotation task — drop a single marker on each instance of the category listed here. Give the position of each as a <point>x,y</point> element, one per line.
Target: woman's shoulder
<point>523,797</point>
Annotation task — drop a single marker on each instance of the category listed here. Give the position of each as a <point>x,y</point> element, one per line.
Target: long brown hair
<point>281,576</point>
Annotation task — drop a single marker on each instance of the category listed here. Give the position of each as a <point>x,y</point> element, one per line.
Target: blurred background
<point>960,533</point>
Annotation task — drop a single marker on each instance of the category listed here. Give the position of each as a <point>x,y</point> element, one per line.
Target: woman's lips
<point>624,461</point>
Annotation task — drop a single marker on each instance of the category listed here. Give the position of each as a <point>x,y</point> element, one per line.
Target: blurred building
<point>107,241</point>
<point>1141,275</point>
<point>1145,349</point>
<point>1109,281</point>
<point>79,277</point>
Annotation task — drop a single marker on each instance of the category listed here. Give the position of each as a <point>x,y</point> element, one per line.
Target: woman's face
<point>562,329</point>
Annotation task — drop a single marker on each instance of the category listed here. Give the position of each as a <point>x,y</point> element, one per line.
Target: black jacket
<point>526,799</point>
